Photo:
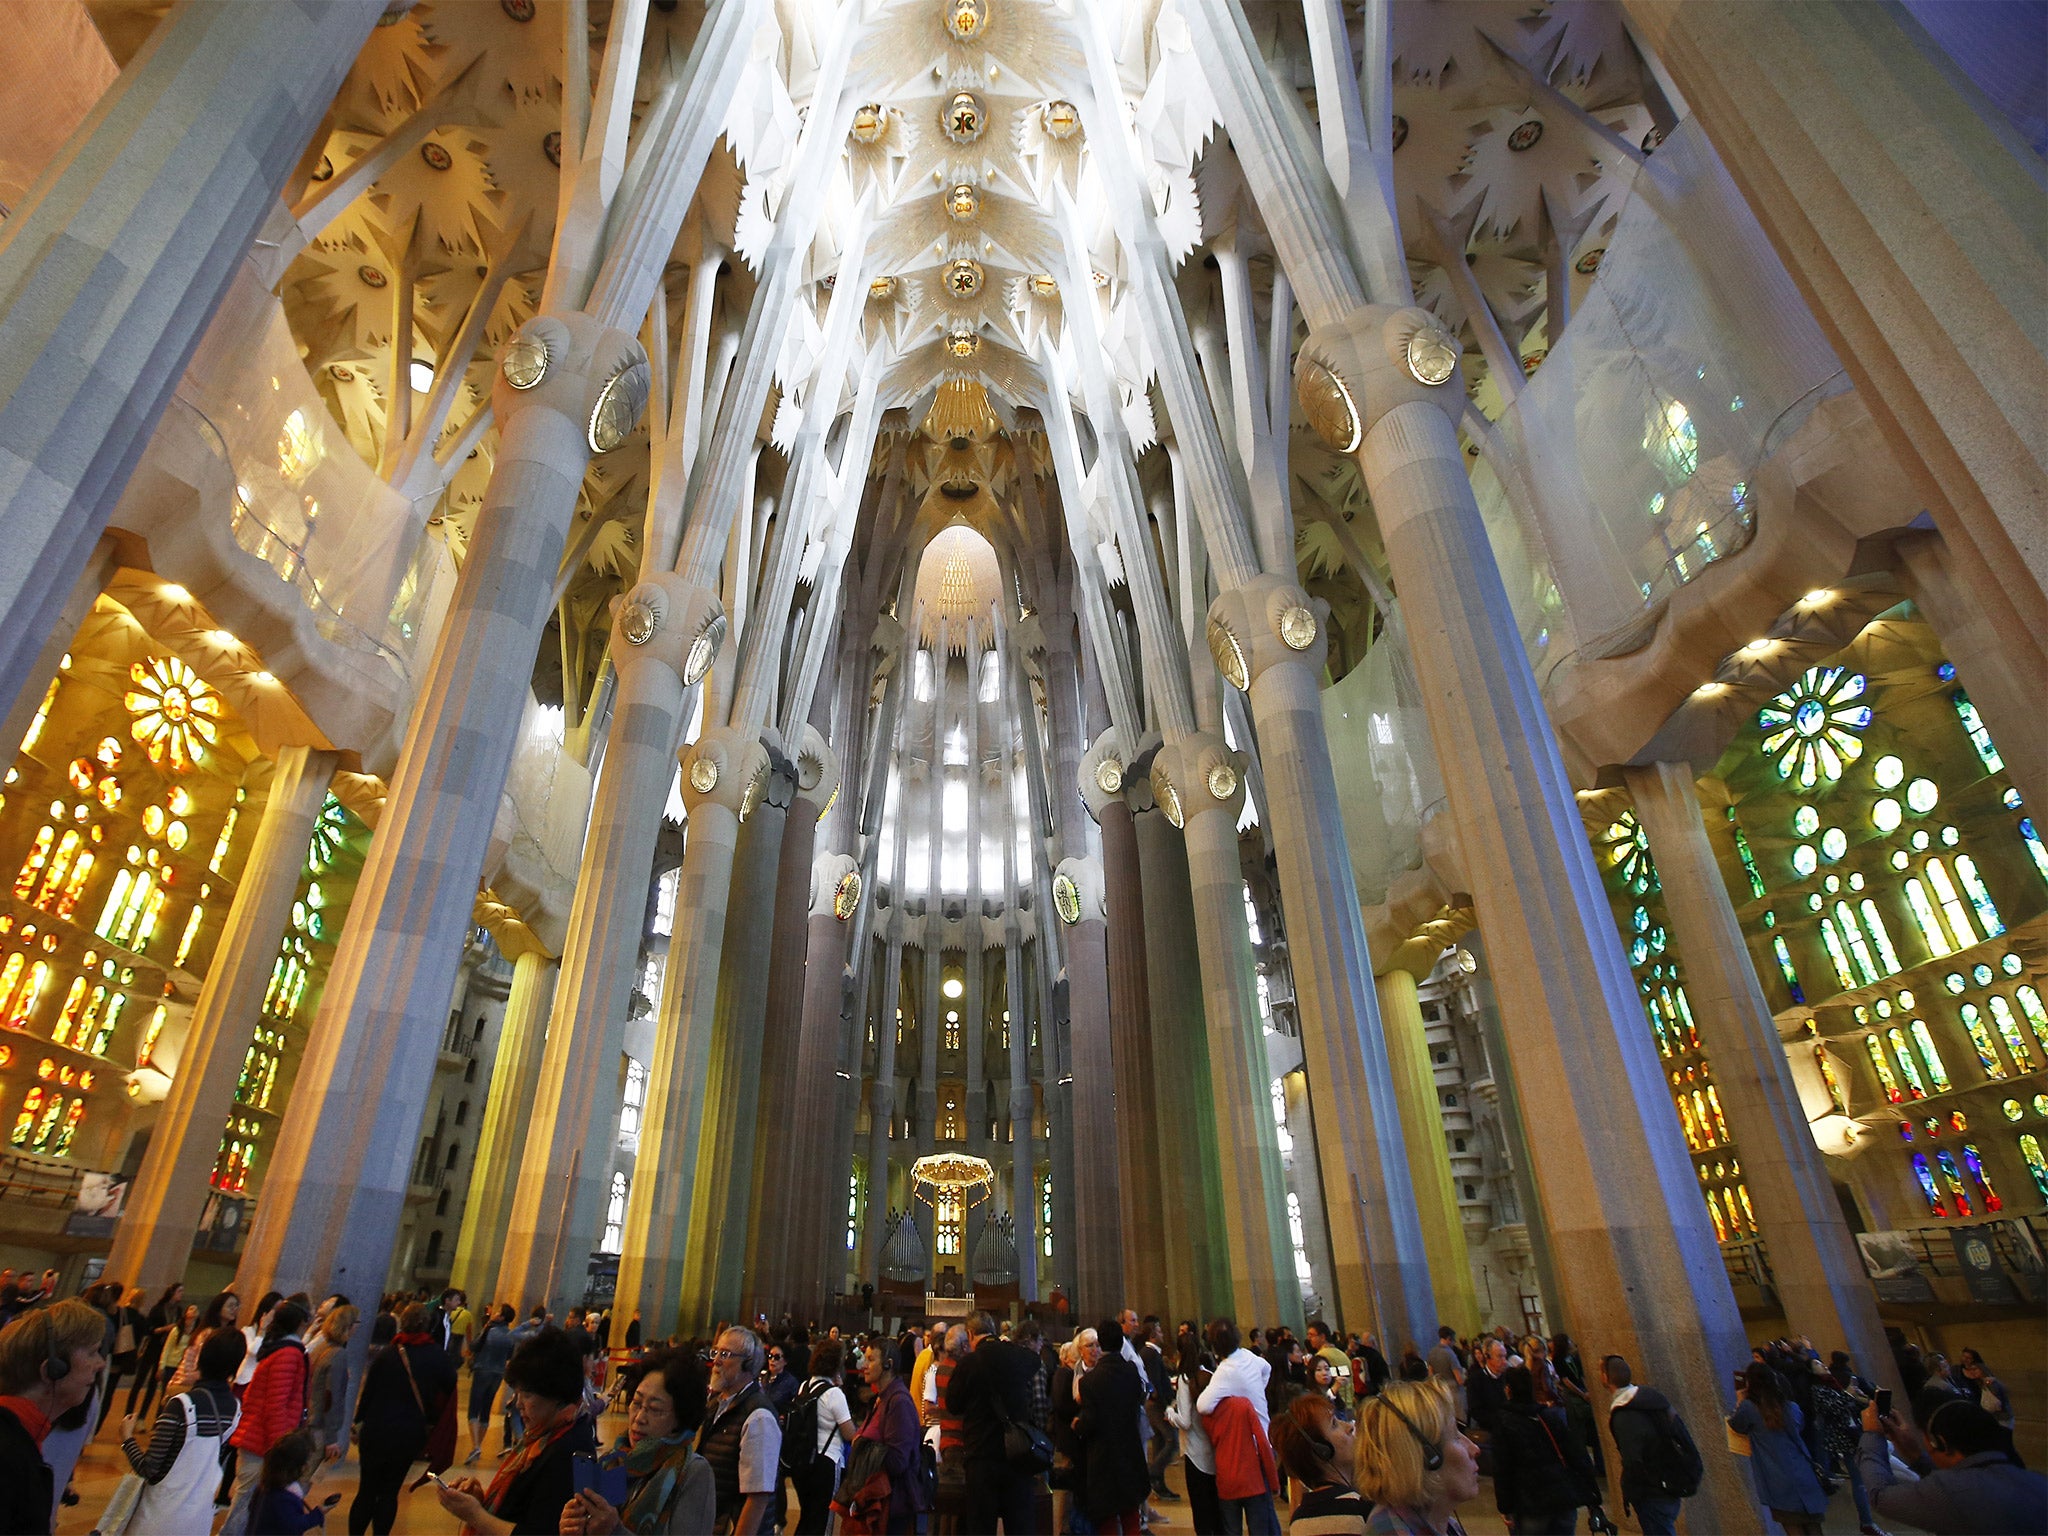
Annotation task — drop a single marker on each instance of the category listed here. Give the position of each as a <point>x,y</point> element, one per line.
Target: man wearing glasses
<point>741,1438</point>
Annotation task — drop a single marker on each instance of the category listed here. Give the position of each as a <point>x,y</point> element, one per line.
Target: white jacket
<point>1240,1374</point>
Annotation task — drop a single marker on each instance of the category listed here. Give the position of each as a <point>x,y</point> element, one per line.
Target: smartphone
<point>330,1501</point>
<point>605,1477</point>
<point>1741,1380</point>
<point>436,1480</point>
<point>1884,1402</point>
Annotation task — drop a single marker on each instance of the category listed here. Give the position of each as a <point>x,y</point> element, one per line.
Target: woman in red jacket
<point>273,1405</point>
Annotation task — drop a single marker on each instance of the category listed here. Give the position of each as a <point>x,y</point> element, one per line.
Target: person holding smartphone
<point>662,1485</point>
<point>537,1478</point>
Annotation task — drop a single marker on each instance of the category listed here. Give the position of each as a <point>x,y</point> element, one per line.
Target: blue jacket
<point>1986,1494</point>
<point>1778,1460</point>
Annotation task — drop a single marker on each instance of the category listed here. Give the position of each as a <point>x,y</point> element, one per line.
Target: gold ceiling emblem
<point>1062,119</point>
<point>964,278</point>
<point>881,287</point>
<point>966,19</point>
<point>870,122</point>
<point>1043,285</point>
<point>963,344</point>
<point>964,118</point>
<point>1432,357</point>
<point>1327,403</point>
<point>963,203</point>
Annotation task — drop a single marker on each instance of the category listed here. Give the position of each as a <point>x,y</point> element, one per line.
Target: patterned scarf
<point>532,1446</point>
<point>654,1472</point>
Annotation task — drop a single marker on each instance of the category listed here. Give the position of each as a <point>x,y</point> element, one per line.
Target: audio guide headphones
<point>55,1366</point>
<point>1432,1453</point>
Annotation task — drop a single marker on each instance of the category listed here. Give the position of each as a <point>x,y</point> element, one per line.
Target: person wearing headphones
<point>1969,1478</point>
<point>1319,1451</point>
<point>49,1361</point>
<point>1412,1461</point>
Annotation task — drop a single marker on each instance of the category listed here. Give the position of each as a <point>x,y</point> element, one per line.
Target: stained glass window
<point>1980,738</point>
<point>1953,1177</point>
<point>1045,1213</point>
<point>1980,897</point>
<point>1980,1037</point>
<point>950,1218</point>
<point>1791,976</point>
<point>2009,1031</point>
<point>1714,1103</point>
<point>1935,1070</point>
<point>1832,1079</point>
<point>1885,1078</point>
<point>1923,915</point>
<point>1926,1178</point>
<point>1907,1067</point>
<point>2037,1165</point>
<point>1627,849</point>
<point>1858,950</point>
<point>1880,936</point>
<point>1833,943</point>
<point>2037,1016</point>
<point>2034,848</point>
<point>615,1214</point>
<point>1974,1161</point>
<point>1812,726</point>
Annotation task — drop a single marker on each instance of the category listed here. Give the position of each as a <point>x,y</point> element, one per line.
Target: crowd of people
<point>962,1426</point>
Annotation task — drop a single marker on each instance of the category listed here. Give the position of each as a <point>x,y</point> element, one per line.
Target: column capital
<point>1078,892</point>
<point>1354,371</point>
<point>721,766</point>
<point>1104,772</point>
<point>1196,774</point>
<point>817,769</point>
<point>1266,622</point>
<point>664,620</point>
<point>836,886</point>
<point>576,366</point>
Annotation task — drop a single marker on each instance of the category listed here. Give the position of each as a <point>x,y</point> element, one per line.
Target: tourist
<point>537,1478</point>
<point>815,1437</point>
<point>741,1438</point>
<point>1198,1455</point>
<point>254,1333</point>
<point>181,1469</point>
<point>1542,1373</point>
<point>1542,1475</point>
<point>328,1369</point>
<point>1322,1347</point>
<point>670,1490</point>
<point>1779,1461</point>
<point>131,1337</point>
<point>1486,1393</point>
<point>1976,1380</point>
<point>158,1325</point>
<point>992,1389</point>
<point>1112,1451</point>
<point>1660,1465</point>
<point>50,1361</point>
<point>1578,1403</point>
<point>1969,1480</point>
<point>280,1507</point>
<point>1369,1369</point>
<point>224,1311</point>
<point>942,1428</point>
<point>171,1356</point>
<point>779,1384</point>
<point>1445,1366</point>
<point>889,1495</point>
<point>1062,1411</point>
<point>1412,1463</point>
<point>488,1353</point>
<point>1318,1447</point>
<point>68,1435</point>
<point>273,1405</point>
<point>399,1405</point>
<point>1234,1414</point>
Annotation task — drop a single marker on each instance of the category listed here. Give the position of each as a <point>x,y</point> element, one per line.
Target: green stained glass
<point>2009,1031</point>
<point>2037,1165</point>
<point>1980,897</point>
<point>1833,943</point>
<point>1980,1037</point>
<point>1908,1068</point>
<point>1880,936</point>
<point>2038,853</point>
<point>1852,934</point>
<point>1923,914</point>
<point>1756,881</point>
<point>1936,1072</point>
<point>1885,1078</point>
<point>2037,1016</point>
<point>1812,728</point>
<point>1785,969</point>
<point>1980,738</point>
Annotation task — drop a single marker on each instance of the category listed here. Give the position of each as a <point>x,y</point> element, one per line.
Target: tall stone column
<point>1429,1162</point>
<point>154,1240</point>
<point>507,1116</point>
<point>1136,1152</point>
<point>818,1217</point>
<point>1023,1145</point>
<point>874,1226</point>
<point>113,265</point>
<point>788,1090</point>
<point>1912,224</point>
<point>660,1202</point>
<point>337,1182</point>
<point>1815,1264</point>
<point>724,1173</point>
<point>1098,1234</point>
<point>1269,641</point>
<point>1200,778</point>
<point>1191,1172</point>
<point>560,1173</point>
<point>1308,1178</point>
<point>1618,1190</point>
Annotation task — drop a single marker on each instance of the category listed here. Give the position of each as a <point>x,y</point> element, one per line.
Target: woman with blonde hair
<point>1412,1461</point>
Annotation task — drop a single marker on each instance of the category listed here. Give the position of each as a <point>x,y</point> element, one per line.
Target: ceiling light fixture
<point>422,377</point>
<point>1817,596</point>
<point>1758,647</point>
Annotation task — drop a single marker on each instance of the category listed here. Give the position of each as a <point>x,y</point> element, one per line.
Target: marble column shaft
<point>1023,1145</point>
<point>716,1267</point>
<point>818,1222</point>
<point>559,1193</point>
<point>785,1093</point>
<point>1617,1185</point>
<point>1198,1269</point>
<point>507,1117</point>
<point>874,1226</point>
<point>661,1200</point>
<point>112,266</point>
<point>1376,1237</point>
<point>1815,1265</point>
<point>343,1162</point>
<point>1428,1160</point>
<point>168,1196</point>
<point>1130,1133</point>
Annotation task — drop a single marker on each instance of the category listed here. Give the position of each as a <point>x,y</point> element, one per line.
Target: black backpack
<point>1671,1462</point>
<point>800,1429</point>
